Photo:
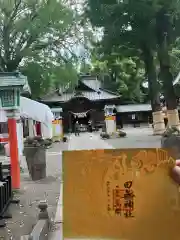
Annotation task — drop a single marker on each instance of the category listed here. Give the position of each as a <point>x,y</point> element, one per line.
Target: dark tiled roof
<point>95,93</point>
<point>15,79</point>
<point>92,83</point>
<point>93,96</point>
<point>12,80</point>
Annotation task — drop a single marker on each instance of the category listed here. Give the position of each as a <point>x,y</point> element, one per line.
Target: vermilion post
<point>14,155</point>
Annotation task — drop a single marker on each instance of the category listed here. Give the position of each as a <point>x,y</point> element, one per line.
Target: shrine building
<point>87,101</point>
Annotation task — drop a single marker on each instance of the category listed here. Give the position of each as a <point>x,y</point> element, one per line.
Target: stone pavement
<point>137,138</point>
<point>25,214</point>
<point>85,141</point>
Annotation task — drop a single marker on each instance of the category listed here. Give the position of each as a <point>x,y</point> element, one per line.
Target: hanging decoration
<point>81,114</point>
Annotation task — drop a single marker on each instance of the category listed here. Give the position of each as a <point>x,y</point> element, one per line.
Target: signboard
<point>120,194</point>
<point>110,118</point>
<point>10,98</point>
<point>20,138</point>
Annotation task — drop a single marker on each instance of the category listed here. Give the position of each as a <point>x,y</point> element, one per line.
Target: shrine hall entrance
<point>82,110</point>
<point>82,118</point>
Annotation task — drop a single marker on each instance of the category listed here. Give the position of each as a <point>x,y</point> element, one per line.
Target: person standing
<point>90,125</point>
<point>121,122</point>
<point>76,128</point>
<point>134,120</point>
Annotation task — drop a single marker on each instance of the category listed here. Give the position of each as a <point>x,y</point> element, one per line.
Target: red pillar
<point>14,155</point>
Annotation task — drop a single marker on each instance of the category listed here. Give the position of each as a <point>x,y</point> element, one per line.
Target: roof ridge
<point>100,83</point>
<point>109,91</point>
<point>81,80</point>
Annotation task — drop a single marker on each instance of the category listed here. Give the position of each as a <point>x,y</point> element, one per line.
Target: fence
<point>6,194</point>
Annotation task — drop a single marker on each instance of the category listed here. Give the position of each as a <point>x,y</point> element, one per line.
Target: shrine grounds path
<point>25,214</point>
<point>136,138</point>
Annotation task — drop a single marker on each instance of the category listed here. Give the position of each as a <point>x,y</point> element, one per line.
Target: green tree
<point>175,58</point>
<point>165,16</point>
<point>32,27</point>
<point>44,77</point>
<point>130,80</point>
<point>130,27</point>
<point>123,75</point>
<point>38,78</point>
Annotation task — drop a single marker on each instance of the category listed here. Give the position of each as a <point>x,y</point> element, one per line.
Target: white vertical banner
<point>20,138</point>
<point>31,128</point>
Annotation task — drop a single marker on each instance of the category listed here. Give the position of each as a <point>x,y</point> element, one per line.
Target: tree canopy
<point>123,75</point>
<point>40,38</point>
<point>31,28</point>
<point>141,28</point>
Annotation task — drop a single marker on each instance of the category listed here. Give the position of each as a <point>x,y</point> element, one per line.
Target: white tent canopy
<point>32,110</point>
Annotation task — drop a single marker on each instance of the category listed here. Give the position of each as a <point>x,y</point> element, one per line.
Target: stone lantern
<point>11,85</point>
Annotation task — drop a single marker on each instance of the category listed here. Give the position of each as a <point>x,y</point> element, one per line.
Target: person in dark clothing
<point>166,121</point>
<point>90,125</point>
<point>121,123</point>
<point>76,128</point>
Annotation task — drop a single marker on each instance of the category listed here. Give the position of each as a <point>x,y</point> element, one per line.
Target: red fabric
<point>38,128</point>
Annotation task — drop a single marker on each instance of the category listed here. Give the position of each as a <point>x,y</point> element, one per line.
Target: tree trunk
<point>162,31</point>
<point>158,119</point>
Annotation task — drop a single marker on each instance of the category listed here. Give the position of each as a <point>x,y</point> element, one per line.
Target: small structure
<point>11,84</point>
<point>134,114</point>
<point>57,124</point>
<point>30,112</point>
<point>35,111</point>
<point>110,119</point>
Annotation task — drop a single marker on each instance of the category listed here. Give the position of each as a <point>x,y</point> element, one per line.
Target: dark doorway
<point>82,120</point>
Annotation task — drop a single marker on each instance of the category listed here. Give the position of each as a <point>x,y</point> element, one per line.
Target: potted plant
<point>121,133</point>
<point>104,135</point>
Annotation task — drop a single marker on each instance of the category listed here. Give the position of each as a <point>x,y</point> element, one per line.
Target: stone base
<point>158,123</point>
<point>173,118</point>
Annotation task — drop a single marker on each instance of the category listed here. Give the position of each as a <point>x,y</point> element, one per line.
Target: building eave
<point>134,108</point>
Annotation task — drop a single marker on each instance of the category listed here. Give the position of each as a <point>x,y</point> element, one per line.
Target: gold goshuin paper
<point>120,194</point>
